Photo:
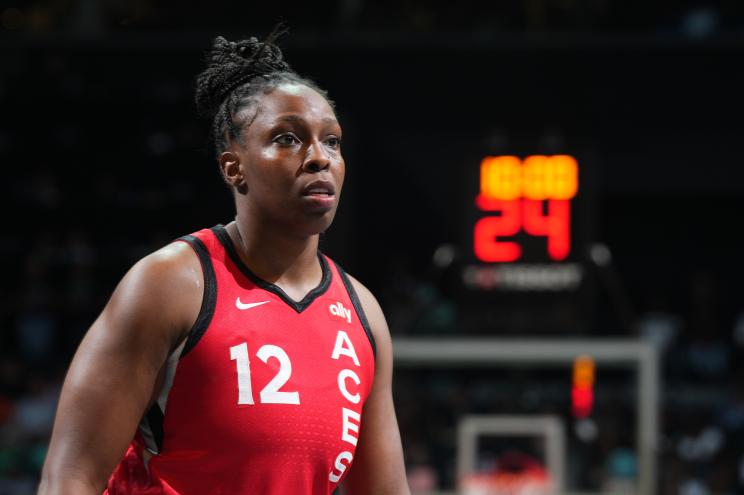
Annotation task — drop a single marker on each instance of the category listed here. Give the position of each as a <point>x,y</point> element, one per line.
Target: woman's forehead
<point>295,99</point>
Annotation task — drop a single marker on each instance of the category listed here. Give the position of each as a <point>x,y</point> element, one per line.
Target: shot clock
<point>531,195</point>
<point>522,233</point>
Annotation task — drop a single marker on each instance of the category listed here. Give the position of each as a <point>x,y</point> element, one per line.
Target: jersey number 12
<point>271,393</point>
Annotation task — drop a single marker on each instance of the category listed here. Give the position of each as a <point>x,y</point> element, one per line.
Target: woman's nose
<point>317,158</point>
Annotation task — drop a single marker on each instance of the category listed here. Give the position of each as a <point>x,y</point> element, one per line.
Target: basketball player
<point>239,359</point>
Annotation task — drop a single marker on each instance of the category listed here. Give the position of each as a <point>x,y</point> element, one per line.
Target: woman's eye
<point>333,142</point>
<point>286,139</point>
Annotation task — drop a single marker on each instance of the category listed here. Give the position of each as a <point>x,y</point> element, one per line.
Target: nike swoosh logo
<point>241,305</point>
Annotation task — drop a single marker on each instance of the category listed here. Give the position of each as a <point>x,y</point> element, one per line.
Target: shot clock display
<point>532,195</point>
<point>522,233</point>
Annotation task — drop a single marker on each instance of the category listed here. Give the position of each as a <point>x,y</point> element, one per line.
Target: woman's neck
<point>290,262</point>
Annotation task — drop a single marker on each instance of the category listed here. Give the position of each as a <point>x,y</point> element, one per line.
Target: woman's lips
<point>319,188</point>
<point>321,194</point>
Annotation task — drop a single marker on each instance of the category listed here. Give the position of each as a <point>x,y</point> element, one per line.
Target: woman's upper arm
<point>378,466</point>
<point>113,374</point>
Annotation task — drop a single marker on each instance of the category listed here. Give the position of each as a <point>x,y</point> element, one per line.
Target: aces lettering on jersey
<point>348,385</point>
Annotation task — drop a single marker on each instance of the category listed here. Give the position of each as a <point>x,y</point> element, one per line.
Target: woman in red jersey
<point>239,359</point>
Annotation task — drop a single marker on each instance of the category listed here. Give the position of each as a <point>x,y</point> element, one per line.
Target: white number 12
<point>270,394</point>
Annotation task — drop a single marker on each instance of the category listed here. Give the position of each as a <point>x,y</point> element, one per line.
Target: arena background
<point>104,160</point>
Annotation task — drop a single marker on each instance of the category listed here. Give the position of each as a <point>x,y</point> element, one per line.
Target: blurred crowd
<point>92,17</point>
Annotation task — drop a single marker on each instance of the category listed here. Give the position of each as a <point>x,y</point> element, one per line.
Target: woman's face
<point>290,160</point>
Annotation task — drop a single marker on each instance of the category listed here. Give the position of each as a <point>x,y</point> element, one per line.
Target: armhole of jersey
<point>151,428</point>
<point>151,425</point>
<point>357,306</point>
<point>210,294</point>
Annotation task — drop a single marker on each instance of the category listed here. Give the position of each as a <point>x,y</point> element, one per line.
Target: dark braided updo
<point>237,74</point>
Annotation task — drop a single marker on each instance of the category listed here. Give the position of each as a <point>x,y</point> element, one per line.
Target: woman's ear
<point>232,172</point>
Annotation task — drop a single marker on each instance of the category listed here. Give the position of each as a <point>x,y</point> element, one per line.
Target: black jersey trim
<point>206,312</point>
<point>357,306</point>
<point>152,429</point>
<point>299,306</point>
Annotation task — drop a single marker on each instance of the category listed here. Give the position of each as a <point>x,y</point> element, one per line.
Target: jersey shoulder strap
<point>203,243</point>
<point>356,303</point>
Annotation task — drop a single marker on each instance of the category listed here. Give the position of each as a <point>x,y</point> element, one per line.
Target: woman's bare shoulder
<point>162,291</point>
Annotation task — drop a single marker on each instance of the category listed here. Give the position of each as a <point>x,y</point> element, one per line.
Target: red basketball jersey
<point>266,394</point>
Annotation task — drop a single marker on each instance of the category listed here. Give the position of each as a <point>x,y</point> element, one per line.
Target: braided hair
<point>237,75</point>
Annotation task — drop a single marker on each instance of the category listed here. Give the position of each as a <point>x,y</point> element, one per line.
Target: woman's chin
<point>315,224</point>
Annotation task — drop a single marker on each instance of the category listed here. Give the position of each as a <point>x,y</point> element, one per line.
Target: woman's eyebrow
<point>298,118</point>
<point>291,118</point>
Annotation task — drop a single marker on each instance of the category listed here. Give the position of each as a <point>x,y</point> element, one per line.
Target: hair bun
<point>233,63</point>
